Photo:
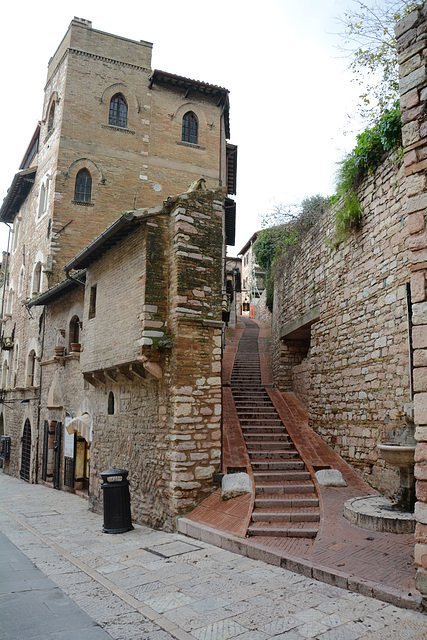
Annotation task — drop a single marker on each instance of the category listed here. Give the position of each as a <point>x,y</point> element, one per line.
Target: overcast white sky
<point>290,93</point>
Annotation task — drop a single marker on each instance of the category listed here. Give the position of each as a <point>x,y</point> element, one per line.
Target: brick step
<point>257,405</point>
<point>252,394</point>
<point>268,445</point>
<point>257,414</point>
<point>282,530</point>
<point>251,402</point>
<point>293,501</point>
<point>253,429</point>
<point>276,465</point>
<point>244,383</point>
<point>277,454</point>
<point>266,436</point>
<point>267,489</point>
<point>285,516</point>
<point>272,422</point>
<point>281,476</point>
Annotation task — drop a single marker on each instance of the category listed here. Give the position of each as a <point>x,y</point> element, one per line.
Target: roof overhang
<point>17,193</point>
<point>112,234</point>
<point>249,243</point>
<point>58,290</point>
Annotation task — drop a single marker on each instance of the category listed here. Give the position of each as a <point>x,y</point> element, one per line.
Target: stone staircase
<point>286,503</point>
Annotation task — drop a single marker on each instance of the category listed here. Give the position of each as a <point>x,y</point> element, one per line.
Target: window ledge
<point>114,128</point>
<point>191,145</point>
<point>82,204</point>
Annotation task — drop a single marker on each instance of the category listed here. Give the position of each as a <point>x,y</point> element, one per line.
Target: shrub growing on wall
<point>279,243</point>
<point>372,144</point>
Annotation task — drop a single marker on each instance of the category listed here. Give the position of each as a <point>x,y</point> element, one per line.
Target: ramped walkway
<point>371,563</point>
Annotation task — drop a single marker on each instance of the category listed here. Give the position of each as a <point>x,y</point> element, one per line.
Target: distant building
<point>253,277</point>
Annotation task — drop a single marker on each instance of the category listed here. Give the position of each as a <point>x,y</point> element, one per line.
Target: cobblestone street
<point>152,585</point>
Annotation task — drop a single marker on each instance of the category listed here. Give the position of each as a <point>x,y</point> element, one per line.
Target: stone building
<point>253,277</point>
<point>116,136</point>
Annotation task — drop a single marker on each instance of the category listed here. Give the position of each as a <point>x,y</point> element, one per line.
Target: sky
<point>291,93</point>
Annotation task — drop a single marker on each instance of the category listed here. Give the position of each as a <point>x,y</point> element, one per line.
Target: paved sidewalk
<point>33,607</point>
<point>153,585</point>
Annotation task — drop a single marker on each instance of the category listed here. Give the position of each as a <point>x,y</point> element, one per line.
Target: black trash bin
<point>115,486</point>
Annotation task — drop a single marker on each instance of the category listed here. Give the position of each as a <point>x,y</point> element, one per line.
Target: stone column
<point>412,48</point>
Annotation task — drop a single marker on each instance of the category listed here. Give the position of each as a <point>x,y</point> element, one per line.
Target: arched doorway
<point>26,452</point>
<point>81,426</point>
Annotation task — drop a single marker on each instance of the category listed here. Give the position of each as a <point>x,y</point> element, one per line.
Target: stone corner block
<point>330,478</point>
<point>235,484</point>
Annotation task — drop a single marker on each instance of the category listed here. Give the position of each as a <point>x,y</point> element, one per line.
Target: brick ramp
<point>375,564</point>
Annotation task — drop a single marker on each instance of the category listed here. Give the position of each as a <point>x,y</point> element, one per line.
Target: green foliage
<point>279,242</point>
<point>371,146</point>
<point>348,217</point>
<point>369,150</point>
<point>370,44</point>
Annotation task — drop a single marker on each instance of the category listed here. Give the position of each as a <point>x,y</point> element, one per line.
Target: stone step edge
<point>282,530</point>
<point>250,548</point>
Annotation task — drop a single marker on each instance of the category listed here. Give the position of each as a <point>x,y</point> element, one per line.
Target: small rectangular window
<point>92,302</point>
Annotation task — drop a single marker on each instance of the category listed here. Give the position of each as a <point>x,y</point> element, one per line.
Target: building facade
<point>253,277</point>
<point>114,136</point>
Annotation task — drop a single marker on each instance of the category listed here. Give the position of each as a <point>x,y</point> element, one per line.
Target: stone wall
<point>261,311</point>
<point>411,43</point>
<point>160,295</point>
<point>340,330</point>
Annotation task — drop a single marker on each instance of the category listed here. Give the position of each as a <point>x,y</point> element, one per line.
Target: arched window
<point>42,200</point>
<point>31,369</point>
<point>118,111</point>
<point>36,286</point>
<point>83,187</point>
<point>190,128</point>
<point>15,234</point>
<point>15,364</point>
<point>110,408</point>
<point>21,280</point>
<point>5,375</point>
<point>9,306</point>
<point>51,117</point>
<point>74,331</point>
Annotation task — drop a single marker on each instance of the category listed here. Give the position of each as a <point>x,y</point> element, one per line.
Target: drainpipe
<point>67,275</point>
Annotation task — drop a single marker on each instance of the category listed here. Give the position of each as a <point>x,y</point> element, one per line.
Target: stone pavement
<point>33,607</point>
<point>153,585</point>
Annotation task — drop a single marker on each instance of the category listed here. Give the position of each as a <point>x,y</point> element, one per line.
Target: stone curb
<point>251,549</point>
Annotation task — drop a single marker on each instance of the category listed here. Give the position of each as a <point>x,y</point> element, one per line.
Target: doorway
<point>26,452</point>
